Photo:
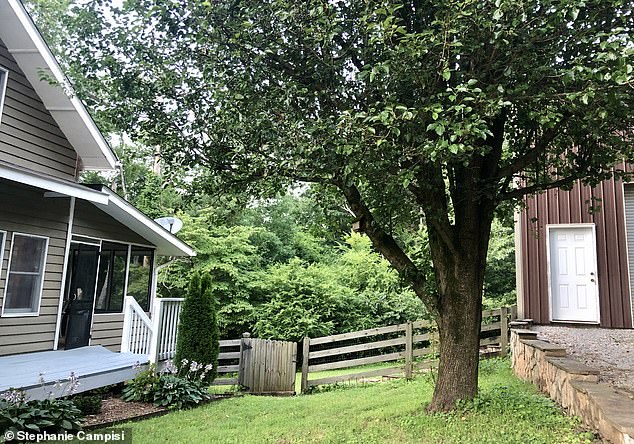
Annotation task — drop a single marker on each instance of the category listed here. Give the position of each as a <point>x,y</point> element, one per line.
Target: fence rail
<point>229,361</point>
<point>402,342</point>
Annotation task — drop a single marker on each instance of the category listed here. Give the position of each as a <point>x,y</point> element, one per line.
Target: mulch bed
<point>115,410</point>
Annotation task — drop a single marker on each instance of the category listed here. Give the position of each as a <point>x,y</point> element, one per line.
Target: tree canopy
<point>442,112</point>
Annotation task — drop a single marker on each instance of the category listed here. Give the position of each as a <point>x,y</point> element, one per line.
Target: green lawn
<point>507,411</point>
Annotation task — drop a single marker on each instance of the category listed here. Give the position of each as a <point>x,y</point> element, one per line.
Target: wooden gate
<point>268,367</point>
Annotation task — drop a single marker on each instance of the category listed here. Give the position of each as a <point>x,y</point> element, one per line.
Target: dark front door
<point>81,278</point>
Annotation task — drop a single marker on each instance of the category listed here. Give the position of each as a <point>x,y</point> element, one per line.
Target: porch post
<point>125,335</point>
<point>69,235</point>
<point>157,315</point>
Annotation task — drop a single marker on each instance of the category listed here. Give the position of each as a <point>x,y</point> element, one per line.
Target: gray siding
<point>629,228</point>
<point>90,221</point>
<point>26,210</point>
<point>29,136</point>
<point>107,330</point>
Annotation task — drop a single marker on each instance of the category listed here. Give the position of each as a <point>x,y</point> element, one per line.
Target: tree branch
<point>520,192</point>
<point>388,247</point>
<point>531,155</point>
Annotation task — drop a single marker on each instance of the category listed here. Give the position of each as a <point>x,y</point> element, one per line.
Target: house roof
<point>167,244</point>
<point>26,45</point>
<point>107,201</point>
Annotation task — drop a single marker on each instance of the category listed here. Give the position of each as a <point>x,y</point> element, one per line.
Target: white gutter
<point>51,184</point>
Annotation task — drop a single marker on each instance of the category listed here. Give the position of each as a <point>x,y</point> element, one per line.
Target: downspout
<point>156,274</point>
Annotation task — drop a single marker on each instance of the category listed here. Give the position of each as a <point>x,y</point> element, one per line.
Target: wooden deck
<point>47,373</point>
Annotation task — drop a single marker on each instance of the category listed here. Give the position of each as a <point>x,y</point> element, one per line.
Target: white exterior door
<point>574,292</point>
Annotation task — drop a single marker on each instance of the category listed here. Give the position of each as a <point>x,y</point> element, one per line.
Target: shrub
<point>175,392</point>
<point>49,415</point>
<point>198,329</point>
<point>142,387</point>
<point>88,404</point>
<point>167,389</point>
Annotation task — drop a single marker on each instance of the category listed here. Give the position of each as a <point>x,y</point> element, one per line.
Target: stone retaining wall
<point>573,385</point>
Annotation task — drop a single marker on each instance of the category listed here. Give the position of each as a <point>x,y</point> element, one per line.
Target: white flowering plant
<point>170,387</point>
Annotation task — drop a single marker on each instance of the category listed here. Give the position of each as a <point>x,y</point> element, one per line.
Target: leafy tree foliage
<point>346,289</point>
<point>228,256</point>
<point>357,290</point>
<point>447,110</point>
<point>499,280</point>
<point>198,337</point>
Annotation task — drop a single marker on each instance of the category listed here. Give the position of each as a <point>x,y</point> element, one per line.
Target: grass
<point>507,411</point>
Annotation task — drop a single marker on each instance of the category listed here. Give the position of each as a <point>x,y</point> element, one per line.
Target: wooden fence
<point>229,361</point>
<point>414,343</point>
<point>268,367</point>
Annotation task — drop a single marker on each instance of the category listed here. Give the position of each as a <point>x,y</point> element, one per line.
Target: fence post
<point>504,331</point>
<point>513,312</point>
<point>242,363</point>
<point>409,350</point>
<point>305,355</point>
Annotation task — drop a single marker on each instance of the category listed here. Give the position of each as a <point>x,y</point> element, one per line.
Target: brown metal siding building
<point>558,209</point>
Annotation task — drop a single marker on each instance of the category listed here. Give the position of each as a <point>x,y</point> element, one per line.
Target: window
<point>25,275</point>
<point>111,278</point>
<point>140,275</point>
<point>4,76</point>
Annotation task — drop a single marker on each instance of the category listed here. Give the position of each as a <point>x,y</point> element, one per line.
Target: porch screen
<point>111,278</point>
<point>140,275</point>
<point>25,275</point>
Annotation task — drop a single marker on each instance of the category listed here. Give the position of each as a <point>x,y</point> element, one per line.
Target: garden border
<point>573,385</point>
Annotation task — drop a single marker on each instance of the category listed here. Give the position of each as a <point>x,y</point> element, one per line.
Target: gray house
<point>78,264</point>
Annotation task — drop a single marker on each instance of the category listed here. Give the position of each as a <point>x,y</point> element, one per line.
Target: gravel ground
<point>610,351</point>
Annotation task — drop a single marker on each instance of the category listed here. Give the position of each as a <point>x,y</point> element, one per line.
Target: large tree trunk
<point>459,274</point>
<point>459,256</point>
<point>458,322</point>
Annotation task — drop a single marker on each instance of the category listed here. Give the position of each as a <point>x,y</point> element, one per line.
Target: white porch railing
<point>138,330</point>
<point>156,336</point>
<point>165,317</point>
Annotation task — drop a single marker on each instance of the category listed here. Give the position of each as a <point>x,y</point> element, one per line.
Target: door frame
<point>94,297</point>
<point>593,227</point>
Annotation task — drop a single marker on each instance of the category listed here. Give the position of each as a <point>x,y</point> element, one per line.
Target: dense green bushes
<point>172,388</point>
<point>275,274</point>
<point>356,290</point>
